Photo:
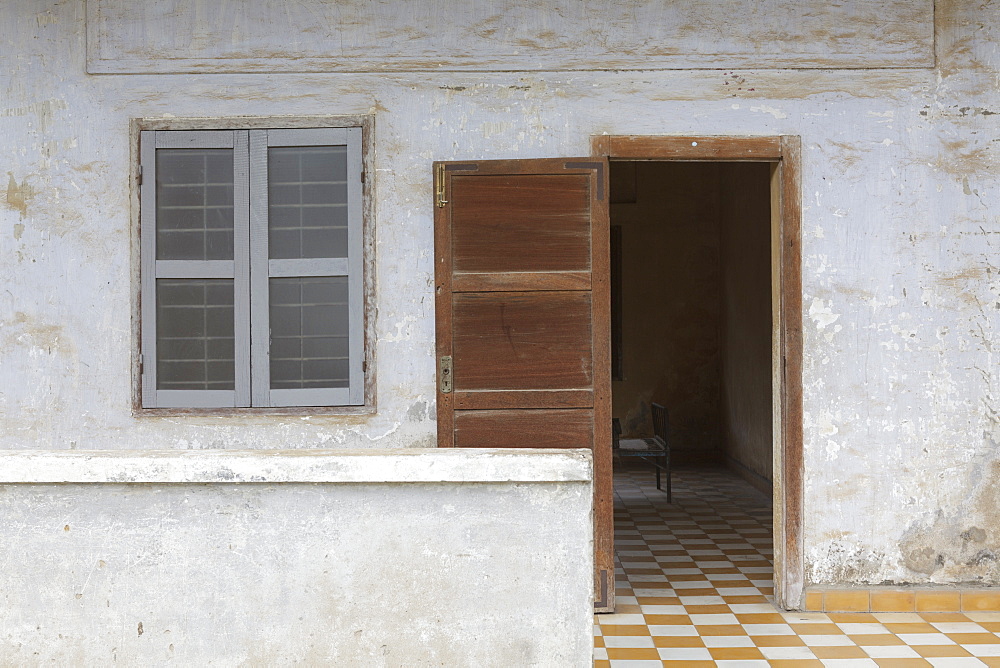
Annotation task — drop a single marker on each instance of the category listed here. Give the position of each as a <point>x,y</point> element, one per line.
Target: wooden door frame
<point>784,152</point>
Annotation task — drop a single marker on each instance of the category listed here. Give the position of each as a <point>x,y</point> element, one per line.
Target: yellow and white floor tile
<point>694,588</point>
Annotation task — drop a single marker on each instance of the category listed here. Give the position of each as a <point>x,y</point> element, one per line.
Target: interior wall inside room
<point>746,323</point>
<point>670,300</point>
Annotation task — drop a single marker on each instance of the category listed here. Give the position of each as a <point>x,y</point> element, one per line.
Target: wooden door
<point>523,316</point>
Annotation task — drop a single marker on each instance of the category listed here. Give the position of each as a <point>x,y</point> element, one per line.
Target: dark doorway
<point>692,308</point>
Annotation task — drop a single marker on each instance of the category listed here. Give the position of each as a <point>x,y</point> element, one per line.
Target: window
<point>251,268</point>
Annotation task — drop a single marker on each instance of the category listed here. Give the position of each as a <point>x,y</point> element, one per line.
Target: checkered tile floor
<point>694,589</point>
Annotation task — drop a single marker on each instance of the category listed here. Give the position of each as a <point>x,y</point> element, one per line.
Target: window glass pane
<point>194,204</point>
<point>307,201</point>
<point>309,332</point>
<point>194,334</point>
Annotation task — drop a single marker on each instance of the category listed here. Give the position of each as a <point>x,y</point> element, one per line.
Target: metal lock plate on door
<point>445,374</point>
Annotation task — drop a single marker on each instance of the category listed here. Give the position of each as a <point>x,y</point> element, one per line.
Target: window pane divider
<point>241,254</point>
<point>260,329</point>
<point>195,269</point>
<point>325,266</point>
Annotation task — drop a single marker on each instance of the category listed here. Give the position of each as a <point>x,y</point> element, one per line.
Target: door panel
<point>522,341</point>
<point>531,428</point>
<point>546,227</point>
<point>523,316</point>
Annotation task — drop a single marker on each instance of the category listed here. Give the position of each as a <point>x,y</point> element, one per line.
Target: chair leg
<point>658,476</point>
<point>670,496</point>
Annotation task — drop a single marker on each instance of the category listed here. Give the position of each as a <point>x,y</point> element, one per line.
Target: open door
<point>523,316</point>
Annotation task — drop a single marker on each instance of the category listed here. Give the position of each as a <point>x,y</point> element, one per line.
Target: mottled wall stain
<point>844,155</point>
<point>26,330</point>
<point>952,546</point>
<point>417,412</point>
<point>19,195</point>
<point>44,111</point>
<point>785,86</point>
<point>432,35</point>
<point>964,157</point>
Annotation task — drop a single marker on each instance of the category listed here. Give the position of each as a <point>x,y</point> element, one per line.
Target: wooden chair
<point>616,436</point>
<point>655,450</point>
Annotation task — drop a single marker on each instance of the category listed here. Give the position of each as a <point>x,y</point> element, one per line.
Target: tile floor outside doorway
<point>694,589</point>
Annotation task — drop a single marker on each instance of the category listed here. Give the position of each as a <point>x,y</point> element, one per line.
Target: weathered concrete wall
<point>900,286</point>
<point>745,221</point>
<point>371,560</point>
<point>357,35</point>
<point>670,304</point>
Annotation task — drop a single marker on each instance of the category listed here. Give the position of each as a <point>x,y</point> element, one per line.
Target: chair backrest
<point>661,422</point>
<point>616,432</point>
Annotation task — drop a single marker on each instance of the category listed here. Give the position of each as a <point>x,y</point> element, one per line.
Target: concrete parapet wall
<point>471,558</point>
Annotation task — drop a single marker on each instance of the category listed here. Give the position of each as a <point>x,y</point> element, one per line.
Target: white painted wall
<point>901,284</point>
<point>440,558</point>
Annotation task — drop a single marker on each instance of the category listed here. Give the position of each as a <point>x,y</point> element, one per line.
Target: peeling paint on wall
<point>18,195</point>
<point>25,330</point>
<point>43,111</point>
<point>433,35</point>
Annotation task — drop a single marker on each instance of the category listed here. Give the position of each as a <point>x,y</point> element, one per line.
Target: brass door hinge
<point>445,374</point>
<point>439,192</point>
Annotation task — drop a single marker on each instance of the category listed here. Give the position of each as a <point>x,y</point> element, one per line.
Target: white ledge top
<point>421,465</point>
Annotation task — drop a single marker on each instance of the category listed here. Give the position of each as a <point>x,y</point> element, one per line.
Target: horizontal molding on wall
<point>175,36</point>
<point>405,465</point>
<point>902,599</point>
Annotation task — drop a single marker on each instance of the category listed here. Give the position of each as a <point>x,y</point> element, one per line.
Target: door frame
<point>784,153</point>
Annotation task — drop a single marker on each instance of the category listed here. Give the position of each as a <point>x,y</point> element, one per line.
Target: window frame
<point>360,271</point>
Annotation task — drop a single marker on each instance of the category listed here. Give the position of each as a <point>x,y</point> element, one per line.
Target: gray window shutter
<point>252,286</point>
<point>307,328</point>
<point>194,238</point>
